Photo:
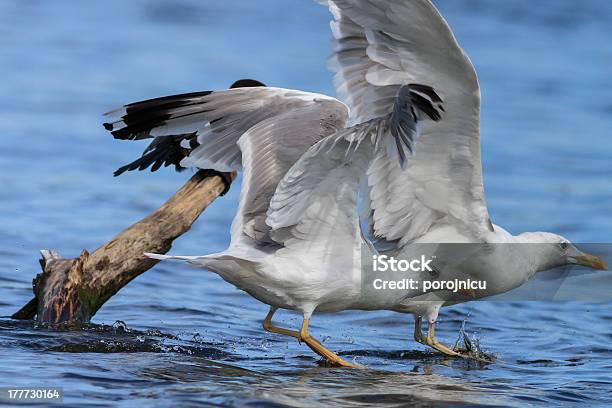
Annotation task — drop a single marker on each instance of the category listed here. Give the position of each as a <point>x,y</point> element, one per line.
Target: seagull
<point>404,136</point>
<point>438,196</point>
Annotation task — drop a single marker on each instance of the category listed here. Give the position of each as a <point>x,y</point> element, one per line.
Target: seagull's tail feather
<point>164,257</point>
<point>228,265</point>
<point>194,260</point>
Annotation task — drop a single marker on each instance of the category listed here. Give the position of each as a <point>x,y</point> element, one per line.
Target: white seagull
<point>296,241</point>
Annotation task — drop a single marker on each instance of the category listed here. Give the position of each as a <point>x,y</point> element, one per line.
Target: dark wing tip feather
<point>163,151</point>
<point>133,132</point>
<point>427,90</point>
<point>141,117</point>
<point>163,100</point>
<point>425,105</point>
<point>404,118</point>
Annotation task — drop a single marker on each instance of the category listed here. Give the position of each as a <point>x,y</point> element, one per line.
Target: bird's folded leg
<point>269,327</point>
<point>330,357</point>
<point>418,334</point>
<point>431,341</point>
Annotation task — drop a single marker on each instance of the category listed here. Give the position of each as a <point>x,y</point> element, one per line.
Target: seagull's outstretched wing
<point>316,201</point>
<point>261,131</point>
<point>201,129</point>
<point>138,121</point>
<point>270,148</point>
<point>380,45</point>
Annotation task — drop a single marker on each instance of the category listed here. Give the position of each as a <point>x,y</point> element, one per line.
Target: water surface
<point>545,74</point>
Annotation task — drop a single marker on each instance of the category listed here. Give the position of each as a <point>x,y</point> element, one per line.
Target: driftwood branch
<point>73,290</point>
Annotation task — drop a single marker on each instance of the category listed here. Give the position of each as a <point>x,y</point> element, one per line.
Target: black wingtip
<point>108,126</point>
<point>423,98</point>
<point>162,151</point>
<point>427,90</point>
<point>246,83</point>
<point>120,171</point>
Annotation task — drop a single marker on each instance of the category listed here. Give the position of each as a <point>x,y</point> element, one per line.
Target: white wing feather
<point>380,45</point>
<point>317,198</point>
<point>218,118</point>
<point>269,149</point>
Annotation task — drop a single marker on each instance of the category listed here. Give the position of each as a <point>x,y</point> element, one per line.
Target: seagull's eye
<point>564,245</point>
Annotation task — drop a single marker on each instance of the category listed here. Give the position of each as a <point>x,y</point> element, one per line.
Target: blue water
<point>546,75</point>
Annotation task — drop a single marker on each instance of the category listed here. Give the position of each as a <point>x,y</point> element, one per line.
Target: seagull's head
<point>555,250</point>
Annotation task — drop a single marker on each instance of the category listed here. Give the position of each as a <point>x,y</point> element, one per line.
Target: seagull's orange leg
<point>332,358</point>
<point>269,327</point>
<point>431,341</point>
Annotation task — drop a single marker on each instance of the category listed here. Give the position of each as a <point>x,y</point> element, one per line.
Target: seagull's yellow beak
<point>591,261</point>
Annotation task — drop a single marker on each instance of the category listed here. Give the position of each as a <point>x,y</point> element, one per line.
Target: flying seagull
<point>438,197</point>
<point>411,104</point>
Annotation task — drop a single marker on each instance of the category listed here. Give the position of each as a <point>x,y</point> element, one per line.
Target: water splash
<point>470,345</point>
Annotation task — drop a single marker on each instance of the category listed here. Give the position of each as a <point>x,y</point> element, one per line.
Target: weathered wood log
<point>73,290</point>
